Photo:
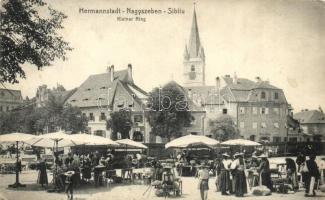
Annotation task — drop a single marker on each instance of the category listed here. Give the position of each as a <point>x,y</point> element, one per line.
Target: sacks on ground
<point>159,192</point>
<point>261,191</point>
<point>322,188</point>
<point>156,183</point>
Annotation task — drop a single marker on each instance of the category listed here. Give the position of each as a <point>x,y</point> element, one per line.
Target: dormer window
<point>86,99</point>
<point>103,88</point>
<point>73,100</point>
<point>263,95</point>
<point>88,89</point>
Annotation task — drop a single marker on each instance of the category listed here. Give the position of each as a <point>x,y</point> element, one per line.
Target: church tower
<point>194,58</point>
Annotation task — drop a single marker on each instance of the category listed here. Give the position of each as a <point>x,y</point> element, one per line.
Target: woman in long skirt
<point>265,173</point>
<point>203,186</point>
<point>240,177</point>
<point>224,177</point>
<point>42,175</point>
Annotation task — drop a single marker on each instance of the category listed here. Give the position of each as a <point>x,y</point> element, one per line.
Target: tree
<point>223,128</point>
<point>120,122</point>
<point>29,34</point>
<point>72,119</point>
<point>168,111</point>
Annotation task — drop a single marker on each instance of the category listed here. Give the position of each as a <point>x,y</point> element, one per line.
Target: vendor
<point>224,178</point>
<point>264,172</point>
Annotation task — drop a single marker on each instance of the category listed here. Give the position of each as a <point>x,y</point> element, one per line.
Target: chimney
<point>218,82</point>
<point>130,72</point>
<point>112,73</point>
<point>258,79</point>
<point>235,78</point>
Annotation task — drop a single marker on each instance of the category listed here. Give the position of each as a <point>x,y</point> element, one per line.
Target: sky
<point>282,41</point>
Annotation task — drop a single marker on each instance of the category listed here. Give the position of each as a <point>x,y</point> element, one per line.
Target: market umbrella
<point>16,137</point>
<point>53,140</point>
<point>191,140</point>
<point>86,139</point>
<point>240,142</point>
<point>50,140</point>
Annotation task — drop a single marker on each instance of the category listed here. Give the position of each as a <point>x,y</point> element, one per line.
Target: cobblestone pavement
<point>117,192</point>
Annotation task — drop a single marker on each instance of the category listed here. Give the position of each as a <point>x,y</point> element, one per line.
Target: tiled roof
<point>10,95</point>
<point>98,90</point>
<point>310,117</point>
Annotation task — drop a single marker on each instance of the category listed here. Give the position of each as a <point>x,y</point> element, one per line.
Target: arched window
<point>263,95</point>
<point>192,68</point>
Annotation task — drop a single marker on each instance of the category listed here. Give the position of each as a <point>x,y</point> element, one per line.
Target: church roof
<point>194,42</point>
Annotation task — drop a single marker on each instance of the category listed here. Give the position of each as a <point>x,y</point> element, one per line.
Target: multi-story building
<point>312,124</point>
<point>112,91</point>
<point>259,109</point>
<point>10,99</point>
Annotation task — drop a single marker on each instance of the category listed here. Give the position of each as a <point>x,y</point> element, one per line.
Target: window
<point>263,95</point>
<point>255,110</point>
<point>138,118</point>
<point>102,116</point>
<point>263,125</point>
<point>224,111</point>
<point>262,111</point>
<point>242,110</point>
<point>242,125</point>
<point>276,95</point>
<point>192,68</point>
<point>276,139</point>
<point>255,125</point>
<point>8,108</point>
<point>276,125</point>
<point>252,138</point>
<point>91,117</point>
<point>293,139</point>
<point>276,110</point>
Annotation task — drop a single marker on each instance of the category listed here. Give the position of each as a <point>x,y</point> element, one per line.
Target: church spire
<point>194,43</point>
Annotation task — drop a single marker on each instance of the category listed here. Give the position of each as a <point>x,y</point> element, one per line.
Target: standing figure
<point>239,176</point>
<point>265,173</point>
<point>42,175</point>
<point>69,184</point>
<point>312,176</point>
<point>203,186</point>
<point>224,177</point>
<point>292,172</point>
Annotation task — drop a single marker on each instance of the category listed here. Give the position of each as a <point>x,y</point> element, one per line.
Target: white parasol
<point>190,141</point>
<point>50,140</point>
<point>86,139</point>
<point>240,142</point>
<point>16,137</point>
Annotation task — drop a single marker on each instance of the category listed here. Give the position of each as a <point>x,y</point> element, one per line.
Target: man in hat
<point>224,178</point>
<point>203,186</point>
<point>264,172</point>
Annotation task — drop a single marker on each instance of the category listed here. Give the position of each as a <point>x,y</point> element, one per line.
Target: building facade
<point>112,91</point>
<point>259,110</point>
<point>312,125</point>
<point>10,99</point>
